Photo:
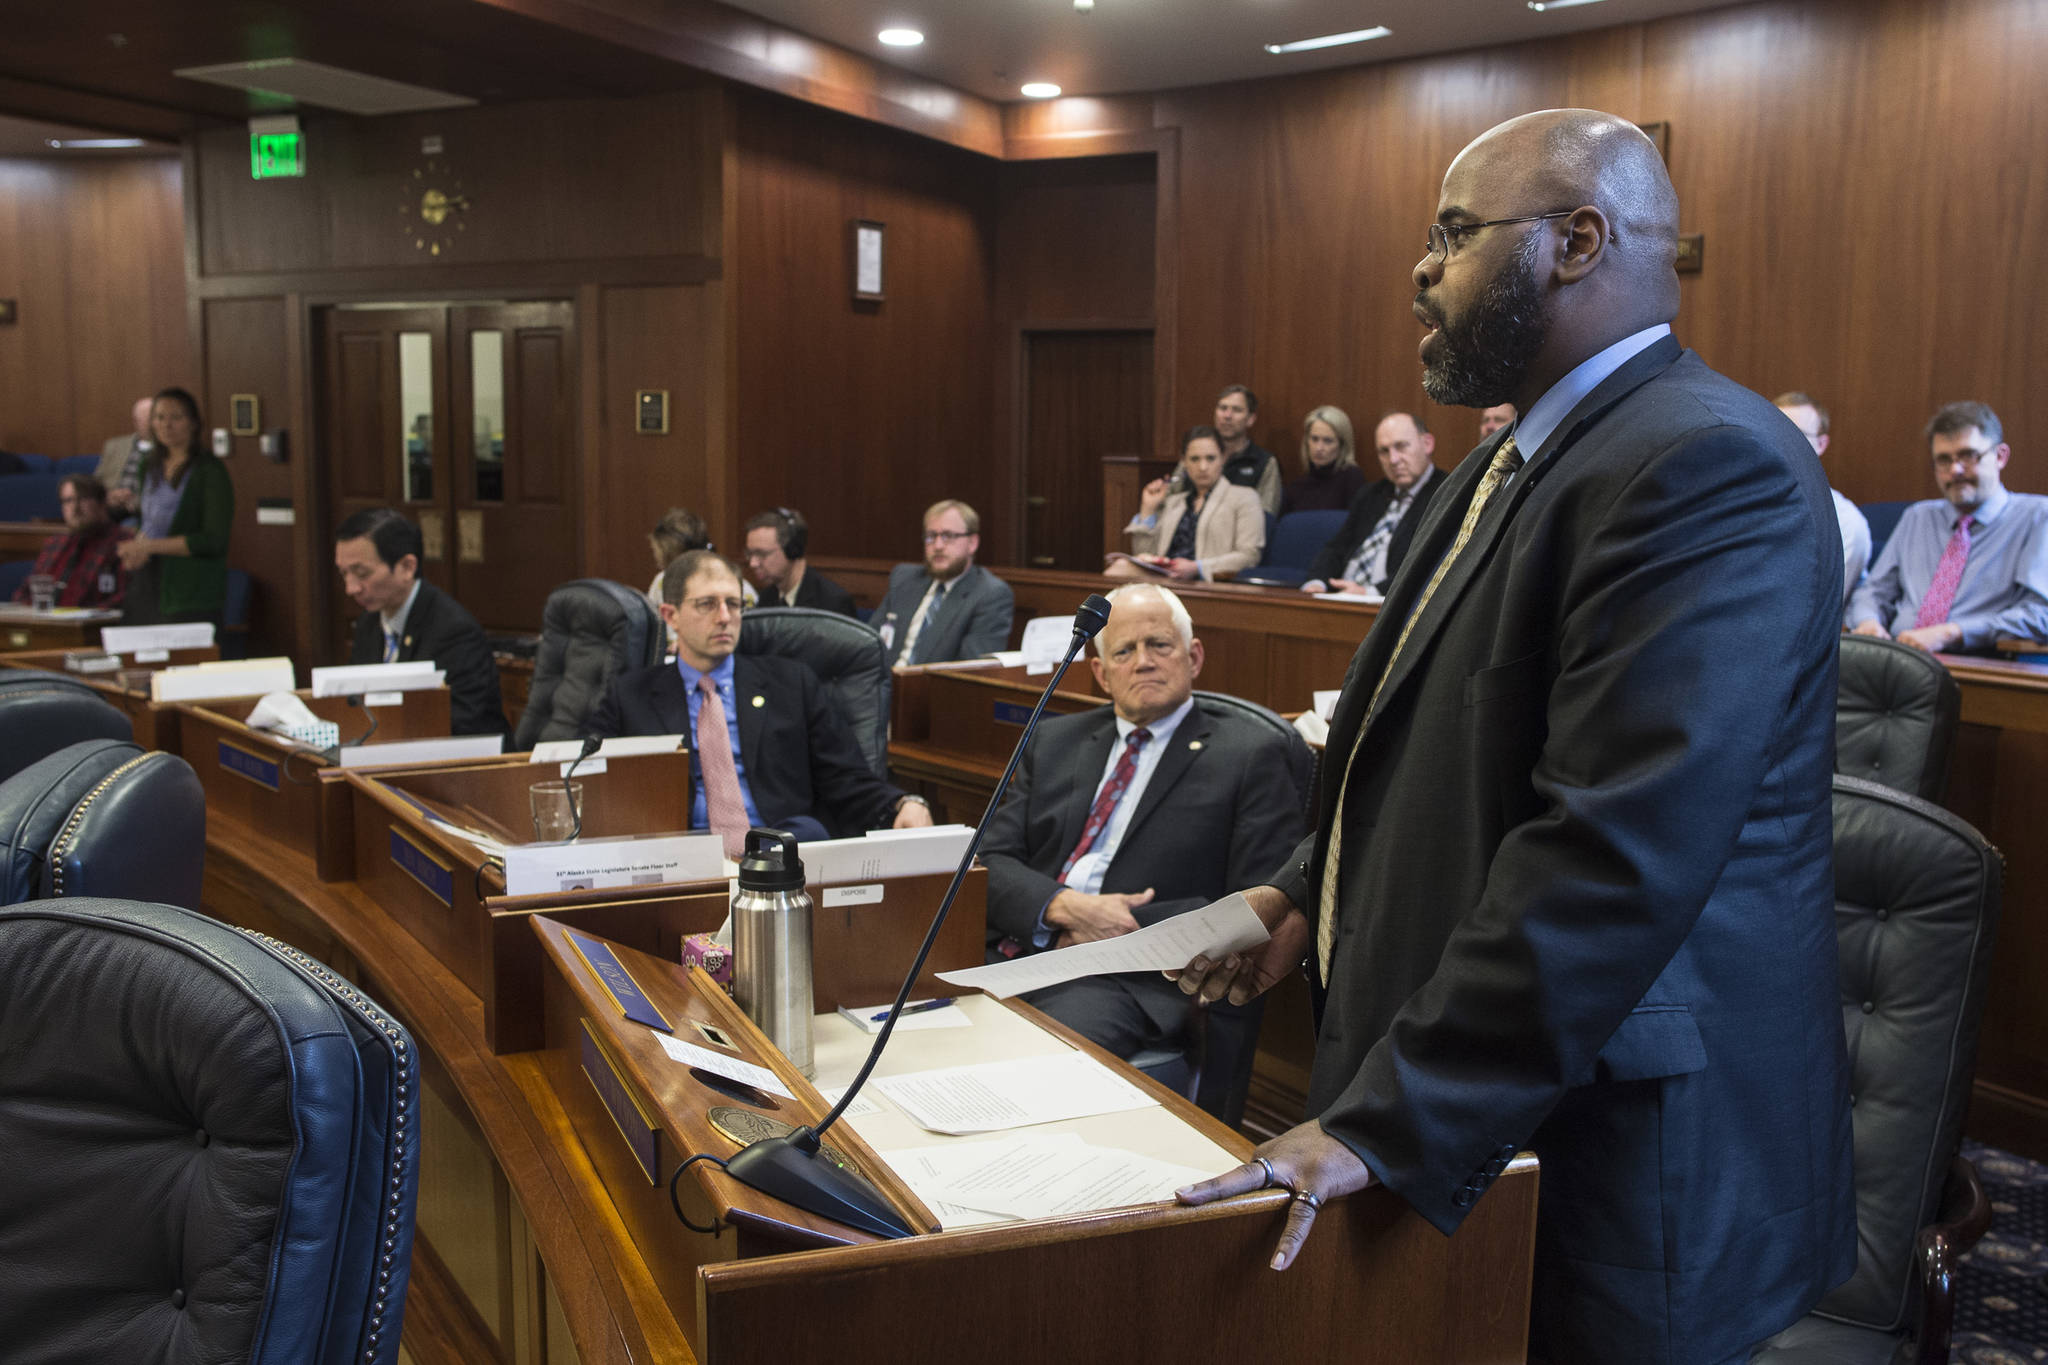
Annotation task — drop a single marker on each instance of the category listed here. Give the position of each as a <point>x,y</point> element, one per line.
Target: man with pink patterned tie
<point>1970,566</point>
<point>766,746</point>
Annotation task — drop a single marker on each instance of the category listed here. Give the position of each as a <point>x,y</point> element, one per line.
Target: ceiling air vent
<point>327,87</point>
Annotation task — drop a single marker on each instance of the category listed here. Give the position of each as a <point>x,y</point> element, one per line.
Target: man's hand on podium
<point>1242,976</point>
<point>1304,1159</point>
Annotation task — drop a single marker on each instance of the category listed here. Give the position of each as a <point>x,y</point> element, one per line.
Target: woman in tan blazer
<point>1208,530</point>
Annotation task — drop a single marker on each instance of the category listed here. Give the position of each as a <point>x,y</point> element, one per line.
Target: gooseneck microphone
<point>790,1167</point>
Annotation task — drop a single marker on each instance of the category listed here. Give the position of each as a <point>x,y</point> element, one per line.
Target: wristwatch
<point>907,800</point>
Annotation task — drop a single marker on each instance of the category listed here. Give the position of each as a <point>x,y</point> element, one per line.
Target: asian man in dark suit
<point>1369,547</point>
<point>405,618</point>
<point>1571,887</point>
<point>1143,809</point>
<point>776,753</point>
<point>948,607</point>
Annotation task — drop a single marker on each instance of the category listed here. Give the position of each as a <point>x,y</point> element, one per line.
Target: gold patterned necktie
<point>1505,462</point>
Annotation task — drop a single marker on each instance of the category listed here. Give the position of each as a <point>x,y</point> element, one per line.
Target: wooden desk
<point>1274,646</point>
<point>953,726</point>
<point>1130,1284</point>
<point>156,727</point>
<point>65,628</point>
<point>272,785</point>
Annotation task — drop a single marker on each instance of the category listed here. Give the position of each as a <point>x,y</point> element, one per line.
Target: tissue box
<point>321,734</point>
<point>704,950</point>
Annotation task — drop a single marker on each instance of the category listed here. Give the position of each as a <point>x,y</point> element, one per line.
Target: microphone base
<point>781,1167</point>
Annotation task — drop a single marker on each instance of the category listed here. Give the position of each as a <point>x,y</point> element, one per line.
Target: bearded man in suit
<point>1571,885</point>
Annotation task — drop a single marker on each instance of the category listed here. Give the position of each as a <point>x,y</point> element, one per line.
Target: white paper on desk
<point>1014,1094</point>
<point>1325,702</point>
<point>919,1168</point>
<point>619,746</point>
<point>348,680</point>
<point>1052,1175</point>
<point>863,1106</point>
<point>1368,598</point>
<point>1046,639</point>
<point>1226,926</point>
<point>134,639</point>
<point>732,1068</point>
<point>884,853</point>
<point>645,860</point>
<point>441,750</point>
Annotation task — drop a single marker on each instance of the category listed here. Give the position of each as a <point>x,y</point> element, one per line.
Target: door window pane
<point>487,415</point>
<point>416,412</point>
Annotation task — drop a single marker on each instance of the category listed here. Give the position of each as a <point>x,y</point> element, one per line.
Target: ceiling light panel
<point>327,87</point>
<point>1363,35</point>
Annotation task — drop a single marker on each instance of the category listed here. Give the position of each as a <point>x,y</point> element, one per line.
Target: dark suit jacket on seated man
<point>406,619</point>
<point>779,755</point>
<point>1368,549</point>
<point>948,607</point>
<point>1571,887</point>
<point>777,542</point>
<point>1091,844</point>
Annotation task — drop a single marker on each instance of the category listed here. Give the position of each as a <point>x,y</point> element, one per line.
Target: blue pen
<point>911,1009</point>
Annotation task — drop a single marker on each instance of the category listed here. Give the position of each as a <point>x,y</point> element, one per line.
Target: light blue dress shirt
<point>721,678</point>
<point>1556,404</point>
<point>2005,580</point>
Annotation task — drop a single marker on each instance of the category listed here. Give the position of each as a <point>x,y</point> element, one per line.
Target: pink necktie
<point>722,799</point>
<point>1948,576</point>
<point>1106,800</point>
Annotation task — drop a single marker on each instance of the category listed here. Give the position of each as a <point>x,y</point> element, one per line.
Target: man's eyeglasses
<point>945,537</point>
<point>1444,236</point>
<point>1971,458</point>
<point>756,556</point>
<point>708,606</point>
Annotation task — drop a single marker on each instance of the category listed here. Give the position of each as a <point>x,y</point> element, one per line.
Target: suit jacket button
<point>1463,1198</point>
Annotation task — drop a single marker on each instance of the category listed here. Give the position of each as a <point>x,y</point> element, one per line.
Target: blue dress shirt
<point>721,678</point>
<point>2005,580</point>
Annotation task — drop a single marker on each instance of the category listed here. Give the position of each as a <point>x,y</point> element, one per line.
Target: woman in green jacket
<point>178,561</point>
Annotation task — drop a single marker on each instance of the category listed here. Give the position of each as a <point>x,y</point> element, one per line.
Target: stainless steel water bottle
<point>771,943</point>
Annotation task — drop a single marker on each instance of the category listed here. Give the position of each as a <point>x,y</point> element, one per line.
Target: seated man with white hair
<point>1119,817</point>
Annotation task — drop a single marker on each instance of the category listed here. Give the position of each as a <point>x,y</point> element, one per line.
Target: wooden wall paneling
<point>1079,125</point>
<point>1075,239</point>
<point>652,338</point>
<point>564,180</point>
<point>311,559</point>
<point>861,414</point>
<point>90,252</point>
<point>248,352</point>
<point>1087,394</point>
<point>1166,282</point>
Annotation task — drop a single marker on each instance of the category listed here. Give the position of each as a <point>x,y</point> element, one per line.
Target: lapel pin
<point>760,701</point>
<point>1194,744</point>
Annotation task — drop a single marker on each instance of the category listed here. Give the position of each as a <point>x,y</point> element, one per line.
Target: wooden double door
<point>464,417</point>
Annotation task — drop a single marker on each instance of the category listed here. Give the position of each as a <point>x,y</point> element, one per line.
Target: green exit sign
<point>276,155</point>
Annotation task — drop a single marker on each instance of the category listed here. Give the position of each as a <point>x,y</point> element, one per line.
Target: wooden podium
<point>1152,1283</point>
<point>953,726</point>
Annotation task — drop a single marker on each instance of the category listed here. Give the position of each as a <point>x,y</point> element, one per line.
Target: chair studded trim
<point>68,836</point>
<point>391,1207</point>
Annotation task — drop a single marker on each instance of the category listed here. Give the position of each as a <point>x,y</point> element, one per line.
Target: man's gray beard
<point>1485,362</point>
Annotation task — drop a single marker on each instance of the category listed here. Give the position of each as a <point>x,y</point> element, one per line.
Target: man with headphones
<point>776,541</point>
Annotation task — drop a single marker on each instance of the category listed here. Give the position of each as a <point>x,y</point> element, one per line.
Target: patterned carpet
<point>2001,1306</point>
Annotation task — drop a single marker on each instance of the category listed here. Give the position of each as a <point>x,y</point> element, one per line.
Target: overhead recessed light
<point>1541,5</point>
<point>900,37</point>
<point>94,144</point>
<point>1330,40</point>
<point>1085,6</point>
<point>1040,90</point>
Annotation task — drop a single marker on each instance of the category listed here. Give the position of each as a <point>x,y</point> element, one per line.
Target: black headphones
<point>796,532</point>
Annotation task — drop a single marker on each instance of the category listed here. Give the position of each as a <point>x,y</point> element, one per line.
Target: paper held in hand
<point>1226,926</point>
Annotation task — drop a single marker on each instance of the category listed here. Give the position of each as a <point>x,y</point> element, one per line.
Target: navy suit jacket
<point>441,629</point>
<point>817,591</point>
<point>973,620</point>
<point>1218,812</point>
<point>800,758</point>
<point>1586,902</point>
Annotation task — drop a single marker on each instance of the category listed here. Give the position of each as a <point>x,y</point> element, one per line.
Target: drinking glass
<point>557,809</point>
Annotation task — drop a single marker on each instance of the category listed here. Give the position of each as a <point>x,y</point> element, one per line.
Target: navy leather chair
<point>41,713</point>
<point>223,1140</point>
<point>848,658</point>
<point>1215,1070</point>
<point>31,496</point>
<point>1896,710</point>
<point>103,818</point>
<point>1916,912</point>
<point>1292,546</point>
<point>1884,519</point>
<point>590,630</point>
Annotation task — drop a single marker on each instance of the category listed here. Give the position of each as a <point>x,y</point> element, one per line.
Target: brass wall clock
<point>431,213</point>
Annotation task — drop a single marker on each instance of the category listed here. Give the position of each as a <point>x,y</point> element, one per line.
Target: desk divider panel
<point>156,726</point>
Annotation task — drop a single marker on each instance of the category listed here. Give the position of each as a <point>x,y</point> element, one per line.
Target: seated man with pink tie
<point>766,747</point>
<point>1970,566</point>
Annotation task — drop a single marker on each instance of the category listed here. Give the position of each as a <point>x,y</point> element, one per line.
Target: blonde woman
<point>1330,476</point>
